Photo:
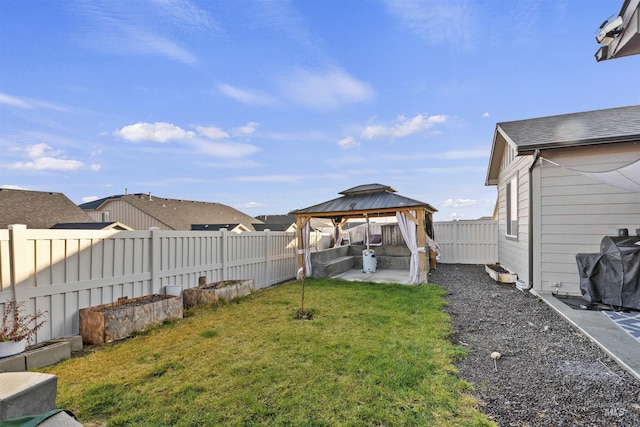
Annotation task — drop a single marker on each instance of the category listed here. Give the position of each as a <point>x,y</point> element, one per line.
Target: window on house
<point>512,207</point>
<point>105,216</point>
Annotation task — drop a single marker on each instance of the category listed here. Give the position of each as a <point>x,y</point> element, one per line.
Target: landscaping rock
<point>548,373</point>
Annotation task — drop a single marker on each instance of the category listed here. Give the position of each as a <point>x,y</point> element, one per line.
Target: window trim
<point>511,211</point>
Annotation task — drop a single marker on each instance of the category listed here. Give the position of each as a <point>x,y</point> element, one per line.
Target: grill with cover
<point>613,275</point>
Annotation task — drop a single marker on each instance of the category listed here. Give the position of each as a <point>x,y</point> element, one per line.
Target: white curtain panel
<point>306,232</point>
<point>408,229</point>
<point>337,235</point>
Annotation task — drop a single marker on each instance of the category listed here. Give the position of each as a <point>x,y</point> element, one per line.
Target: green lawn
<point>373,355</point>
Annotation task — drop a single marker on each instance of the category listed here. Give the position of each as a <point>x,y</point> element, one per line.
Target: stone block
<point>75,341</point>
<point>114,321</point>
<point>26,393</point>
<point>226,290</point>
<point>46,355</point>
<point>13,363</point>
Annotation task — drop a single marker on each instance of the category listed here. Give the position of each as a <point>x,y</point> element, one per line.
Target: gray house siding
<point>127,214</point>
<point>576,212</point>
<point>513,252</point>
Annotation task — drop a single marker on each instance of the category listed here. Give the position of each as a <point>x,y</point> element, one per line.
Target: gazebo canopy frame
<point>370,201</point>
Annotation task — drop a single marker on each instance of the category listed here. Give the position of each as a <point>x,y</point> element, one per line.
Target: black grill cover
<point>612,276</point>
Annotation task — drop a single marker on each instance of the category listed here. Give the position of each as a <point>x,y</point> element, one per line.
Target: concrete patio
<point>595,325</point>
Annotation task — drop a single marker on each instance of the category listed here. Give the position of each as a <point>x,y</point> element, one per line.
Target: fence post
<point>18,262</point>
<point>224,252</point>
<point>156,260</point>
<point>267,256</point>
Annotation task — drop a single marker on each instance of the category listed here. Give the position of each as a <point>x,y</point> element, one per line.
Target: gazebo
<point>415,220</point>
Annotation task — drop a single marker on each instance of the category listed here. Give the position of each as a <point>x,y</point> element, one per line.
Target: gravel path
<point>549,374</point>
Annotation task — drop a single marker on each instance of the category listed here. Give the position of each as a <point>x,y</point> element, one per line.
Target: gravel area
<point>548,373</point>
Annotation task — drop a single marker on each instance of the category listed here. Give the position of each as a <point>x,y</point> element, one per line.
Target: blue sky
<point>270,106</point>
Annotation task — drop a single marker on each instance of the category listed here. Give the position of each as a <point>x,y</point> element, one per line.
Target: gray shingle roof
<point>369,197</point>
<point>573,130</point>
<point>179,214</point>
<point>38,209</point>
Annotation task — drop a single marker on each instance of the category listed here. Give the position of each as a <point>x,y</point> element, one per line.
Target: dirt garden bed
<point>114,321</point>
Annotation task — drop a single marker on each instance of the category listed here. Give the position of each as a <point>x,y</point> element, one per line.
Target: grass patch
<point>373,354</point>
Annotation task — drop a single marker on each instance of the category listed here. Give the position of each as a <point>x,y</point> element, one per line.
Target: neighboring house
<point>277,222</point>
<point>142,211</point>
<point>564,182</point>
<point>38,209</point>
<point>620,36</point>
<point>92,226</point>
<point>236,228</point>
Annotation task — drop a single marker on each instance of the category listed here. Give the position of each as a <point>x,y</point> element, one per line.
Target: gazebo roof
<point>368,199</point>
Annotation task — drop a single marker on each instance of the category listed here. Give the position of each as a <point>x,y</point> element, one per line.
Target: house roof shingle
<point>179,214</point>
<point>38,209</point>
<point>588,128</point>
<point>577,129</point>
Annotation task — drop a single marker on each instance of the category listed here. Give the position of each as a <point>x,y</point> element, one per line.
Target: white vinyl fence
<point>467,241</point>
<point>62,271</point>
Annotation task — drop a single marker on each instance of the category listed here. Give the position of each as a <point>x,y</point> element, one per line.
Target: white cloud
<point>231,164</point>
<point>38,150</point>
<point>348,142</point>
<point>485,114</point>
<point>158,132</point>
<point>26,103</point>
<point>452,170</point>
<point>42,157</point>
<point>96,167</point>
<point>451,21</point>
<point>146,42</point>
<point>476,153</point>
<point>251,205</point>
<point>331,89</point>
<point>48,163</point>
<point>458,203</point>
<point>13,101</point>
<point>457,215</point>
<point>88,199</point>
<point>12,187</point>
<point>121,30</point>
<point>403,127</point>
<point>184,13</point>
<point>247,129</point>
<point>311,135</point>
<point>246,97</point>
<point>471,153</point>
<point>212,132</point>
<point>227,150</point>
<point>286,178</point>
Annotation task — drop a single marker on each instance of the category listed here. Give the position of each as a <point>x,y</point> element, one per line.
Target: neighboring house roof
<point>91,226</point>
<point>277,219</point>
<point>38,209</point>
<point>272,226</point>
<point>178,214</point>
<point>620,36</point>
<point>275,222</point>
<point>583,129</point>
<point>217,227</point>
<point>369,197</point>
<point>95,204</point>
